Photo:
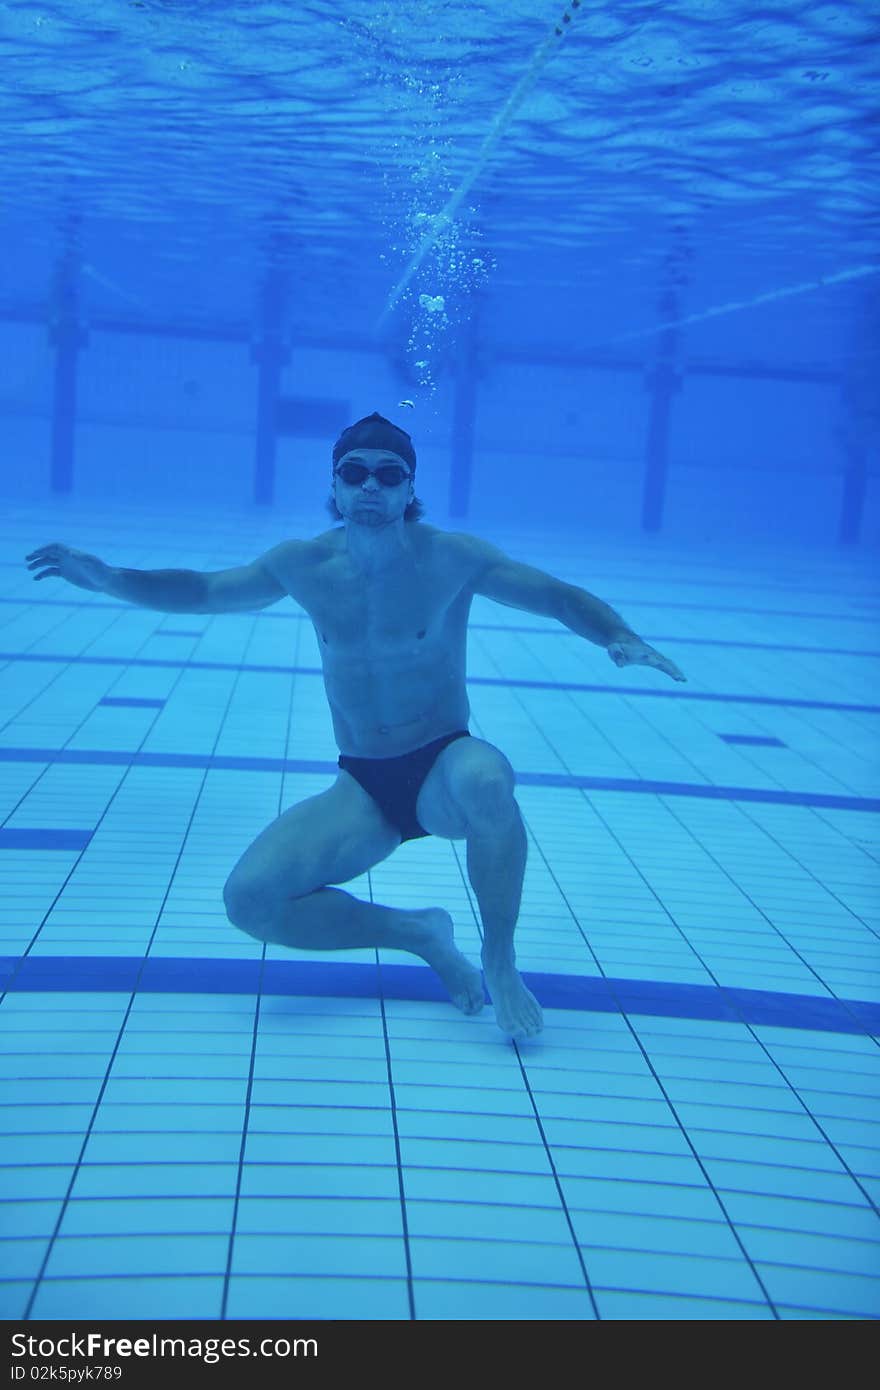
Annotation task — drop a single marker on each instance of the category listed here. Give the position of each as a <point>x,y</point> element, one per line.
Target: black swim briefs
<point>395,783</point>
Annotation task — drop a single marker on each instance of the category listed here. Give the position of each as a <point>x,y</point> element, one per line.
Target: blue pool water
<point>620,283</point>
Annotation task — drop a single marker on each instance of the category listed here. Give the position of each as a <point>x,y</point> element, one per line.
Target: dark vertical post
<point>855,485</point>
<point>67,337</point>
<point>270,355</point>
<point>663,381</point>
<point>858,423</point>
<point>464,419</point>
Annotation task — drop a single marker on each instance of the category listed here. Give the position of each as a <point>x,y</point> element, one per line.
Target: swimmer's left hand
<point>632,651</point>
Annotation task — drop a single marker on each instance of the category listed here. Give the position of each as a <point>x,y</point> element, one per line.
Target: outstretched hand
<point>632,651</point>
<point>57,560</point>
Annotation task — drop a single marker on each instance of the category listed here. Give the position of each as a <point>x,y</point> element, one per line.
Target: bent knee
<point>251,904</point>
<point>485,795</point>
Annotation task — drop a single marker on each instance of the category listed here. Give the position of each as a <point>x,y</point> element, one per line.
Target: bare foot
<point>463,980</point>
<point>517,1011</point>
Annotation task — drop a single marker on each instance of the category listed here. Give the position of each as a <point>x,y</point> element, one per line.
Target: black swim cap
<point>375,432</point>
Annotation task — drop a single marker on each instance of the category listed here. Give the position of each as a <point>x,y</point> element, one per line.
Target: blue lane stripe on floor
<point>769,796</point>
<point>177,975</point>
<point>129,702</point>
<point>649,692</point>
<point>753,740</point>
<point>827,801</point>
<point>38,838</point>
<point>632,601</point>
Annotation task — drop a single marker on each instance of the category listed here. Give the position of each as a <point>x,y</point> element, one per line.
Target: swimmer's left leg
<point>469,793</point>
<point>496,864</point>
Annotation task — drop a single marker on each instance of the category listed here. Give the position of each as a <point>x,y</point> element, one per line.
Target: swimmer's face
<point>372,487</point>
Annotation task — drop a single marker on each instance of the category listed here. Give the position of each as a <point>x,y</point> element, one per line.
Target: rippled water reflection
<point>652,130</point>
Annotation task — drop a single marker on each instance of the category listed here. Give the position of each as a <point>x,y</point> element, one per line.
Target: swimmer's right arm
<point>170,591</point>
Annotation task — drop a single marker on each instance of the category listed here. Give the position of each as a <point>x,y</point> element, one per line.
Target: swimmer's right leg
<point>279,891</point>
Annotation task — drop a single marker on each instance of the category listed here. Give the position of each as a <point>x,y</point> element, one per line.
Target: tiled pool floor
<point>196,1127</point>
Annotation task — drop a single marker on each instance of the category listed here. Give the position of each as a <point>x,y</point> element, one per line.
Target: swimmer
<point>389,598</point>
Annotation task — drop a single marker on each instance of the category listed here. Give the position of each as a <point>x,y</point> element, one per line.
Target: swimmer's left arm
<point>521,586</point>
<point>589,617</point>
<point>632,651</point>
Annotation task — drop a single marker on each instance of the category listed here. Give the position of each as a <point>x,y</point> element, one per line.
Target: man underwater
<point>389,599</point>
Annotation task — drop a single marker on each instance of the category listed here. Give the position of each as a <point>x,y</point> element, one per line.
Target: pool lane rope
<point>856,272</point>
<point>443,219</point>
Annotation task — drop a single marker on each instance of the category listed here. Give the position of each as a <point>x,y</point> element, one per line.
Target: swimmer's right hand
<point>57,560</point>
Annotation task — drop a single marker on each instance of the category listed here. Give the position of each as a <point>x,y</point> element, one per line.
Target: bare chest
<point>399,614</point>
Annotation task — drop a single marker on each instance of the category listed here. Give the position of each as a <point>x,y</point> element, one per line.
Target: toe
<point>471,998</point>
<point>468,1003</point>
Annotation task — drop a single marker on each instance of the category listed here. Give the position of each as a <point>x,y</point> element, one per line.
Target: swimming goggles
<point>389,474</point>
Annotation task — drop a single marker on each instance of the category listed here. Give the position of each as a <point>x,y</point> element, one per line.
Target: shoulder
<point>300,566</point>
<point>296,557</point>
<point>474,554</point>
<point>468,556</point>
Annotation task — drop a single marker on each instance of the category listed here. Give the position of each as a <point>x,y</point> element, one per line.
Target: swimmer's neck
<point>376,548</point>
